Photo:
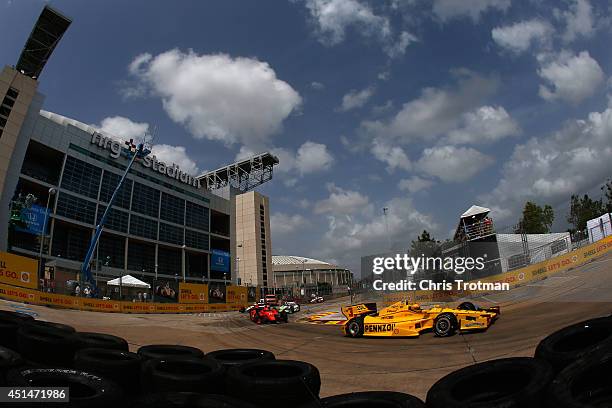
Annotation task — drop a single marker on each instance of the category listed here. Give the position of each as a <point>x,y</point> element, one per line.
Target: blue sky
<point>423,107</point>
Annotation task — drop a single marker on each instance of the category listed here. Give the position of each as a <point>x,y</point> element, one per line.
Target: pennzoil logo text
<point>379,327</point>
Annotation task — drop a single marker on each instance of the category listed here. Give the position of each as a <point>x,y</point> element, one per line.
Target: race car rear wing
<point>361,309</point>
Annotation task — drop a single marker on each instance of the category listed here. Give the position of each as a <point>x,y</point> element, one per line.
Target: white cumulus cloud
<point>449,9</point>
<point>520,36</point>
<point>579,20</point>
<point>341,202</point>
<point>485,124</point>
<point>453,164</point>
<point>569,77</point>
<point>283,224</point>
<point>356,99</point>
<point>549,169</point>
<point>218,97</point>
<point>333,18</point>
<point>414,184</point>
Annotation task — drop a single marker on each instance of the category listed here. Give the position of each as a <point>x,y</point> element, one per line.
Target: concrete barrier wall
<point>514,278</point>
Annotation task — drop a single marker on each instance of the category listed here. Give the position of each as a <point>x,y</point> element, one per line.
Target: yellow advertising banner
<point>18,270</point>
<point>236,294</point>
<point>193,293</point>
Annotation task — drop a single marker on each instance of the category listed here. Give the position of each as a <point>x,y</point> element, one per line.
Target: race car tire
<point>189,400</point>
<point>168,351</point>
<point>8,359</point>
<point>203,375</point>
<point>585,383</point>
<point>86,390</point>
<point>467,306</point>
<point>574,342</point>
<point>367,399</point>
<point>9,324</point>
<point>505,383</point>
<point>100,340</point>
<point>354,328</point>
<point>445,324</point>
<point>46,344</point>
<point>275,383</point>
<point>120,366</point>
<point>236,357</point>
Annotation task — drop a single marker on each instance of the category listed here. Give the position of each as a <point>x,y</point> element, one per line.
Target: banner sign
<point>18,270</point>
<point>193,293</point>
<point>236,294</point>
<point>219,261</point>
<point>34,218</point>
<point>216,292</point>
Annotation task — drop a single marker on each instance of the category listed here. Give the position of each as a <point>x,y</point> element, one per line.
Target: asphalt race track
<point>529,313</point>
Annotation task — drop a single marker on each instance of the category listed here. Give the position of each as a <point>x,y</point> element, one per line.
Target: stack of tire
<point>571,369</point>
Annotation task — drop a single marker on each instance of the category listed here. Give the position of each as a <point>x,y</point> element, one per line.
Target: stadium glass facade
<point>162,225</point>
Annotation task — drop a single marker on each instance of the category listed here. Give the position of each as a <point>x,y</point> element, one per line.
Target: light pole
<point>385,211</point>
<point>183,262</point>
<point>43,233</point>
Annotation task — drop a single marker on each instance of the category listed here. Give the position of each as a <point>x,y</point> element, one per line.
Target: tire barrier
<point>189,400</point>
<point>120,366</point>
<point>575,342</point>
<point>100,340</point>
<point>9,324</point>
<point>86,390</point>
<point>50,325</point>
<point>585,383</point>
<point>368,399</point>
<point>570,370</point>
<point>505,383</point>
<point>168,351</point>
<point>275,383</point>
<point>47,344</point>
<point>235,357</point>
<point>182,374</point>
<point>8,359</point>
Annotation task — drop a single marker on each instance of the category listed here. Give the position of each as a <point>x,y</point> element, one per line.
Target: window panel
<point>81,177</point>
<point>145,200</point>
<point>143,227</point>
<point>171,234</point>
<point>141,256</point>
<point>109,184</point>
<point>117,220</point>
<point>172,209</point>
<point>111,250</point>
<point>76,208</point>
<point>197,216</point>
<point>196,239</point>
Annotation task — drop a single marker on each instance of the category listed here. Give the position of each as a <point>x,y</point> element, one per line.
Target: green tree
<point>536,219</point>
<point>424,244</point>
<point>583,209</point>
<point>607,190</point>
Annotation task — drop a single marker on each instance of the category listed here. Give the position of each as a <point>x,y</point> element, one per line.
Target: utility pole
<point>385,211</point>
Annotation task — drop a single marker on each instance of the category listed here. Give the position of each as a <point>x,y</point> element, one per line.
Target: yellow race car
<point>402,319</point>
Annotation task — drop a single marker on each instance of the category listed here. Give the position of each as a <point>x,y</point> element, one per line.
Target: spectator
<point>77,290</point>
<point>86,291</point>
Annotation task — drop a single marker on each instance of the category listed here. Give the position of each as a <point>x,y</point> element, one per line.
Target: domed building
<point>311,275</point>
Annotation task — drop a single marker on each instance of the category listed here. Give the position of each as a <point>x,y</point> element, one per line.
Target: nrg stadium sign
<point>173,172</point>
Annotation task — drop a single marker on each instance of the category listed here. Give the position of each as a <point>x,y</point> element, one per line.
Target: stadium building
<point>166,224</point>
<point>307,276</point>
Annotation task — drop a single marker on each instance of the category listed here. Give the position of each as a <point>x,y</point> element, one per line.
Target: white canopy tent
<point>129,281</point>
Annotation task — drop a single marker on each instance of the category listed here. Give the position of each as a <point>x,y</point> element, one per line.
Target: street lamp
<point>183,261</point>
<point>52,192</point>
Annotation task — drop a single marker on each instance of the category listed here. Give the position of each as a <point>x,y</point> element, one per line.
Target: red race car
<point>266,314</point>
